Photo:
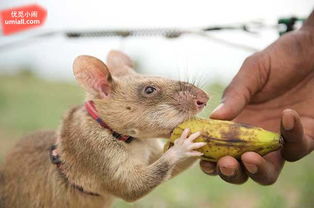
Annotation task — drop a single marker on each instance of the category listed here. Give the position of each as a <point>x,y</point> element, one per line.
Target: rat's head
<point>134,104</point>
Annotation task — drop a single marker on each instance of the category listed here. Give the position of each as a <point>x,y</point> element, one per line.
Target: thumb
<point>296,144</point>
<point>250,79</point>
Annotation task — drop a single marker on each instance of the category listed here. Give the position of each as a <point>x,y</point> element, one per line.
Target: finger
<point>296,145</point>
<point>185,133</point>
<point>230,170</point>
<point>193,136</point>
<point>250,79</point>
<point>194,154</point>
<point>197,145</point>
<point>263,170</point>
<point>183,136</point>
<point>208,167</point>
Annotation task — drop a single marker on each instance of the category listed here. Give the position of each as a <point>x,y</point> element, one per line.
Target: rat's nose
<point>191,98</point>
<point>201,101</point>
<point>200,104</point>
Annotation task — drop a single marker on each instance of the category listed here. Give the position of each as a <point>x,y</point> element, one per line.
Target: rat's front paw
<point>184,147</point>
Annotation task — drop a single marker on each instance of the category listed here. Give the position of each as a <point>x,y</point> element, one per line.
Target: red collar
<point>90,107</point>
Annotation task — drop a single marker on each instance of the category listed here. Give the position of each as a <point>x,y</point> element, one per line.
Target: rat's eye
<point>149,90</point>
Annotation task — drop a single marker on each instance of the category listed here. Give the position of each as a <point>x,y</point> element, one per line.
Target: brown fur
<point>93,158</point>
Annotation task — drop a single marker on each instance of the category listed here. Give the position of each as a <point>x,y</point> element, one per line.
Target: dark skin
<point>274,89</point>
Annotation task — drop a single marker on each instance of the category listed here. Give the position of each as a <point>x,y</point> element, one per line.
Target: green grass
<point>28,103</point>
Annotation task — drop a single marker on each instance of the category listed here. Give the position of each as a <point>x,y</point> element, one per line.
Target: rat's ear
<point>119,63</point>
<point>93,75</point>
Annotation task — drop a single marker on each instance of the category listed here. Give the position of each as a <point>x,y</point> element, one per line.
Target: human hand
<point>268,85</point>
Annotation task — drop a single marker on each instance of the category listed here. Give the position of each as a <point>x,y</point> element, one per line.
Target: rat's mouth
<point>178,122</point>
<point>173,116</point>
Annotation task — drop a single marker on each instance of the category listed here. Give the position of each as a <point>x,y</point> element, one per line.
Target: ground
<point>28,103</point>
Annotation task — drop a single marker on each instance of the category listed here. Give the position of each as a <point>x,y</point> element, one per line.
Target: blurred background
<point>37,86</point>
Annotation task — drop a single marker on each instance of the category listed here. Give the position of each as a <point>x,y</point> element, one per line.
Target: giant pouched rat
<point>102,149</point>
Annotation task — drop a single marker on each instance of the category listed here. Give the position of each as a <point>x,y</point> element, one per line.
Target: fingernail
<point>288,123</point>
<point>218,107</point>
<point>251,168</point>
<point>227,171</point>
<point>208,169</point>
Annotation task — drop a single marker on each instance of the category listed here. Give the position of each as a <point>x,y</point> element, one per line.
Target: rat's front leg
<point>182,166</point>
<point>179,167</point>
<point>133,180</point>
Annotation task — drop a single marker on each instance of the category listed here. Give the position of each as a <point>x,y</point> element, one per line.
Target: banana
<point>228,138</point>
